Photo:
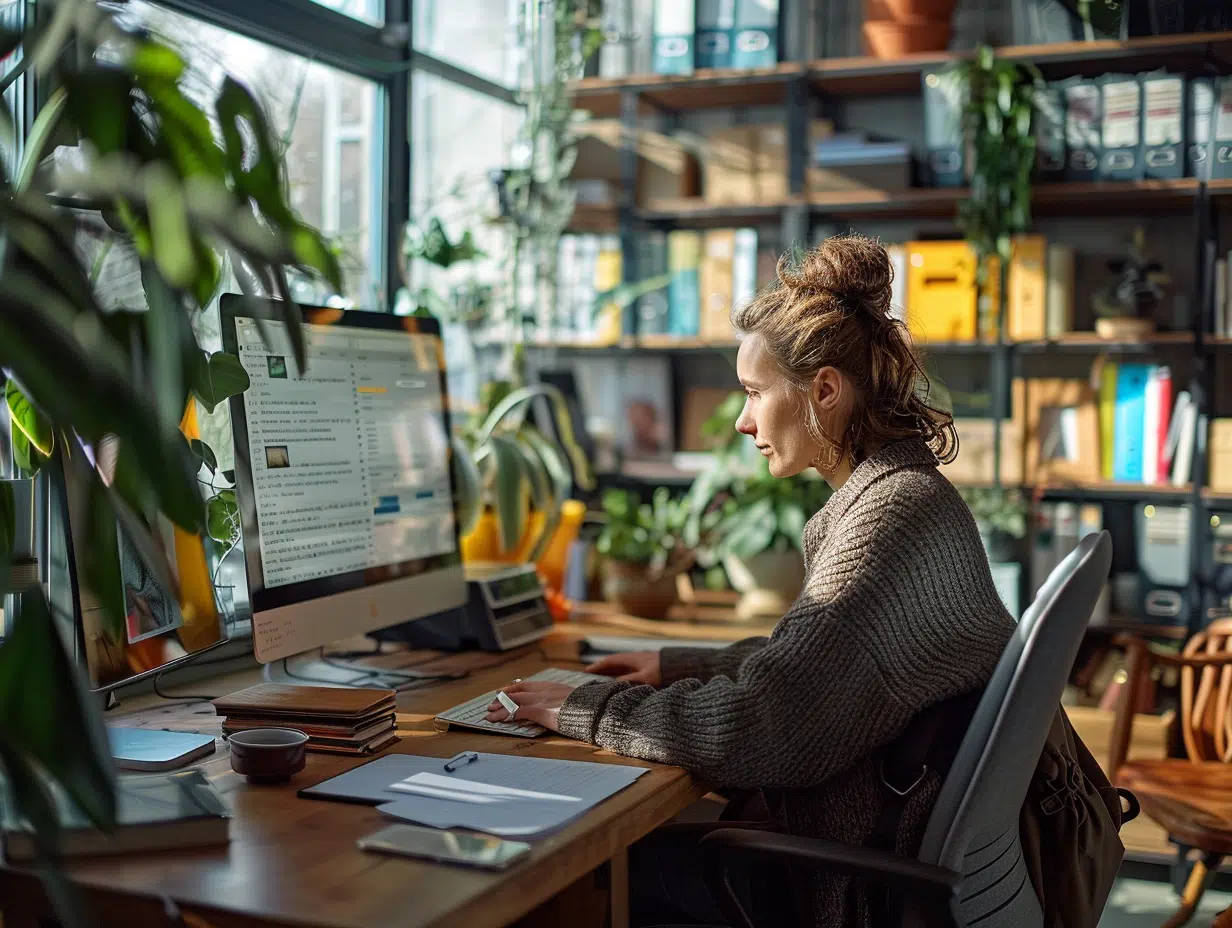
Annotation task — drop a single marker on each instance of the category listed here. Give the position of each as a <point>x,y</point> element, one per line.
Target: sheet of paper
<point>459,784</point>
<point>456,795</point>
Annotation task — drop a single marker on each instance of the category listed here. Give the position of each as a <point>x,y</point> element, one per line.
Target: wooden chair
<point>1190,798</point>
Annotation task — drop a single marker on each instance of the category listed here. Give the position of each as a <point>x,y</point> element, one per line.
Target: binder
<point>757,34</point>
<point>1107,418</point>
<point>944,98</point>
<point>673,37</point>
<point>1163,125</point>
<point>1049,133</point>
<point>744,270</point>
<point>1221,131</point>
<point>941,291</point>
<point>1199,117</point>
<point>1162,534</point>
<point>684,253</point>
<point>1127,443</point>
<point>717,270</point>
<point>1027,287</point>
<point>1059,312</point>
<point>1121,128</point>
<point>716,24</point>
<point>1083,109</point>
<point>652,262</point>
<point>609,271</point>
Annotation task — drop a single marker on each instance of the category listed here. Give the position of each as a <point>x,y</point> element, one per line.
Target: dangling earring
<point>829,455</point>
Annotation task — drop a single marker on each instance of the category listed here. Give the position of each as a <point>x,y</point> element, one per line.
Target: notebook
<point>152,750</point>
<point>153,813</point>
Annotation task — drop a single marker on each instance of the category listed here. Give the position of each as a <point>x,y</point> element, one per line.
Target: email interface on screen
<point>349,460</point>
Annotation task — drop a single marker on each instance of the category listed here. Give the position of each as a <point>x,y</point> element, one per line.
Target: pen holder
<point>268,755</point>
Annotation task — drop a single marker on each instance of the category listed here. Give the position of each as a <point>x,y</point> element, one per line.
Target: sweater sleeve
<point>706,663</point>
<point>807,704</point>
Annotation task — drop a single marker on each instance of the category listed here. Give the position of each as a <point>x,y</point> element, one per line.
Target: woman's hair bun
<point>854,268</point>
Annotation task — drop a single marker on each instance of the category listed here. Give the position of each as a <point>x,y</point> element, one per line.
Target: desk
<point>293,861</point>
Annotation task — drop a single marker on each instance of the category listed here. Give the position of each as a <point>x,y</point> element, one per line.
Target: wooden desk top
<point>293,861</point>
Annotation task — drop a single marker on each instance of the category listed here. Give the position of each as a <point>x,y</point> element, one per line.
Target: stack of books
<point>337,720</point>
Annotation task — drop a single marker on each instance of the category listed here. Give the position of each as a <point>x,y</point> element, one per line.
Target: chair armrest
<point>922,881</point>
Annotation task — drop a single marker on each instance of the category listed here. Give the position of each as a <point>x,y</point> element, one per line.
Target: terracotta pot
<point>916,11</point>
<point>636,592</point>
<point>887,39</point>
<point>1124,328</point>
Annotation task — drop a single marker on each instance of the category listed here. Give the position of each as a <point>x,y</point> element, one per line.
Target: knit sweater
<point>898,612</point>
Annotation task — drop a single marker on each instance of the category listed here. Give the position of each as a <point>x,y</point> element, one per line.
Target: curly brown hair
<point>832,309</point>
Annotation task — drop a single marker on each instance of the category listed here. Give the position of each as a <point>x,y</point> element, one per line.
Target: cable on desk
<point>190,659</point>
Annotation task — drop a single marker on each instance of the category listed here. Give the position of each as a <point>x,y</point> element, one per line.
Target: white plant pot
<point>769,582</point>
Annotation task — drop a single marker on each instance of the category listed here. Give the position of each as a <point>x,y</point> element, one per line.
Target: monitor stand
<point>318,669</point>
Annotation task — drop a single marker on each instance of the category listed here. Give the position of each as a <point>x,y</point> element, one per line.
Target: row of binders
<point>1117,127</point>
<point>714,34</point>
<point>705,275</point>
<point>1146,427</point>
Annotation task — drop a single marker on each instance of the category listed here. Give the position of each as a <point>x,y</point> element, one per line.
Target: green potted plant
<point>99,389</point>
<point>1001,514</point>
<point>641,550</point>
<point>1125,307</point>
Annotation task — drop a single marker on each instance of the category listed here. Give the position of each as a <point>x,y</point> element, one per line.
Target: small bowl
<point>268,755</point>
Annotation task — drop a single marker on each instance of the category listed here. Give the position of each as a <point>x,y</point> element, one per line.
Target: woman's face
<point>773,415</point>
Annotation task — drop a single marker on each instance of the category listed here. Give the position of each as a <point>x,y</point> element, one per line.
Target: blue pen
<point>466,757</point>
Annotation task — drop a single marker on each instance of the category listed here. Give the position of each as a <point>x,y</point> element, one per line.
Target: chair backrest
<point>1206,697</point>
<point>974,825</point>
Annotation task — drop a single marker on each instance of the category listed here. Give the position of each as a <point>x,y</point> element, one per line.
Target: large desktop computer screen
<point>343,476</point>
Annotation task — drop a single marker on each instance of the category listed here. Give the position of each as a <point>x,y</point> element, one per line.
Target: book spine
<point>1200,113</point>
<point>1130,410</point>
<point>1060,311</point>
<point>1107,419</point>
<point>944,98</point>
<point>1221,133</point>
<point>1150,429</point>
<point>1162,470</point>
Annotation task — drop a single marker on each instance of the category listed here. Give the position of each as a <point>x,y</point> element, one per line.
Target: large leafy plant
<point>504,464</point>
<point>99,394</point>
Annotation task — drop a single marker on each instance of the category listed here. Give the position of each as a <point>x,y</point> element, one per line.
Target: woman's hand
<point>537,702</point>
<point>634,666</point>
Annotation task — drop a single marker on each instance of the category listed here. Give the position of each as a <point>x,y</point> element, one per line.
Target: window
<point>329,123</point>
<point>458,138</point>
<point>479,36</point>
<point>372,11</point>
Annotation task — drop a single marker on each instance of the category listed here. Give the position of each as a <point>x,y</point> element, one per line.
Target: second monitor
<point>343,476</point>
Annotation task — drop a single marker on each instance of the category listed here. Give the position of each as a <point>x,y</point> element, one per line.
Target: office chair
<point>970,868</point>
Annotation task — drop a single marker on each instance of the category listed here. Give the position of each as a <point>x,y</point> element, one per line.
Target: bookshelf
<point>803,89</point>
<point>863,76</point>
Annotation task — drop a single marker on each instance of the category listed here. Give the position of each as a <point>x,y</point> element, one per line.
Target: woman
<point>898,610</point>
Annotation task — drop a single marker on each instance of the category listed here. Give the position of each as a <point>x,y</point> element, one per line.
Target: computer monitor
<point>342,476</point>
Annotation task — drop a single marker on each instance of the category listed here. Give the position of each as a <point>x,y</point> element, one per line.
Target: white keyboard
<point>471,714</point>
<point>614,644</point>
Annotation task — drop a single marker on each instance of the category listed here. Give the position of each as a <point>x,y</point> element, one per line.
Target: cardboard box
<point>771,144</point>
<point>1219,455</point>
<point>666,169</point>
<point>1062,431</point>
<point>974,464</point>
<point>729,166</point>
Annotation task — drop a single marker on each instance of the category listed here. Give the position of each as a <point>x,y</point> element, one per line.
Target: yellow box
<point>941,291</point>
<point>1219,452</point>
<point>1027,306</point>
